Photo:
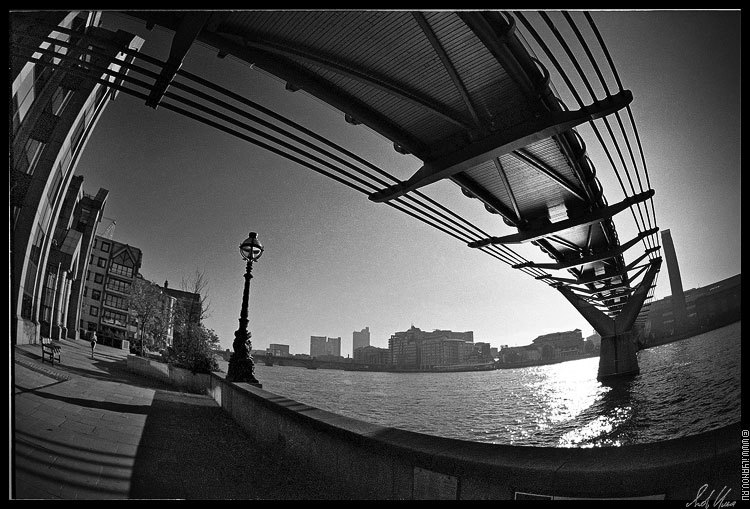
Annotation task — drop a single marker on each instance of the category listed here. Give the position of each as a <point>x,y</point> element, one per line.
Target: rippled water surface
<point>684,388</point>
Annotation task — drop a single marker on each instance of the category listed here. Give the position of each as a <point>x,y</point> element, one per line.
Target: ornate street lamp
<point>241,365</point>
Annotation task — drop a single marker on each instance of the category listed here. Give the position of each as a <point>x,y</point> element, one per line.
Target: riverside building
<point>415,348</point>
<point>559,344</point>
<point>112,269</point>
<point>321,346</point>
<point>360,339</point>
<point>372,355</point>
<point>52,113</point>
<point>71,246</point>
<point>278,350</point>
<point>707,307</point>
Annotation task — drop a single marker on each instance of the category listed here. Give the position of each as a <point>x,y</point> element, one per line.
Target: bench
<point>51,350</point>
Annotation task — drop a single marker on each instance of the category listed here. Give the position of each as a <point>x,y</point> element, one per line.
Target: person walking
<point>93,343</point>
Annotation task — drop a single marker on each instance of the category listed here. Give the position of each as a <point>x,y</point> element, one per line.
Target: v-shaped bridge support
<point>618,349</point>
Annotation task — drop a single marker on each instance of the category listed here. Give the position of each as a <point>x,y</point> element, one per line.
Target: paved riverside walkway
<point>89,429</point>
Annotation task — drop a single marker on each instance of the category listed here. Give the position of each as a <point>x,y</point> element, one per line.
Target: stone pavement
<point>89,429</point>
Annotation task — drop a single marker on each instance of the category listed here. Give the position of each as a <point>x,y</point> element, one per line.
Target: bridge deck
<point>462,92</point>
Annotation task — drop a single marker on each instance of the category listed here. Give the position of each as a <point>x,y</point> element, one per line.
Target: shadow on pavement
<point>89,403</point>
<point>191,449</point>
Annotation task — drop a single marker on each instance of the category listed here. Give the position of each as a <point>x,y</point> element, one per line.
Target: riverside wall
<point>361,460</point>
<point>179,377</point>
<point>355,459</point>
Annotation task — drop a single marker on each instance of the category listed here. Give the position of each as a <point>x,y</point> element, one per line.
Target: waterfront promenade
<point>89,429</point>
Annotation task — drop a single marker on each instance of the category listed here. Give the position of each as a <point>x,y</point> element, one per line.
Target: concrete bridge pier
<point>618,356</point>
<point>618,353</point>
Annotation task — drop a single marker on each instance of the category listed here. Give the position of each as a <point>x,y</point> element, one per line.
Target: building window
<point>55,187</point>
<point>88,275</point>
<point>105,247</point>
<point>121,270</point>
<point>98,278</point>
<point>29,156</point>
<point>95,240</point>
<point>36,248</point>
<point>102,262</point>
<point>96,294</point>
<point>78,132</point>
<point>91,260</point>
<point>59,100</point>
<point>94,311</point>
<point>114,318</point>
<point>118,286</point>
<point>116,302</point>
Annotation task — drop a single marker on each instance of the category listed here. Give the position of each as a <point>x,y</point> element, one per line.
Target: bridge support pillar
<point>618,352</point>
<point>618,356</point>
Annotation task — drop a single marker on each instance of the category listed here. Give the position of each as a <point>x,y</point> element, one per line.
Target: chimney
<point>166,284</point>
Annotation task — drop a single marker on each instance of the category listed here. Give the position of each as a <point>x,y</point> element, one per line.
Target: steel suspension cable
<point>599,37</point>
<point>595,65</point>
<point>576,95</point>
<point>230,131</point>
<point>563,43</point>
<point>329,143</point>
<point>154,75</point>
<point>158,63</point>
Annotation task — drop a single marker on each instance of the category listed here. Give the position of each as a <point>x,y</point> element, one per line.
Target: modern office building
<point>372,355</point>
<point>559,344</point>
<point>483,350</point>
<point>111,272</point>
<point>318,345</point>
<point>524,353</point>
<point>278,350</point>
<point>67,260</point>
<point>52,113</point>
<point>321,346</point>
<point>334,346</point>
<point>415,348</point>
<point>361,338</point>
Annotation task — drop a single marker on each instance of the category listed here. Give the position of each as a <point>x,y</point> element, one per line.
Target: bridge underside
<point>464,93</point>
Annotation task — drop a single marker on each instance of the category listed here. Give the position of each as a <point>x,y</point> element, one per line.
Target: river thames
<point>683,388</point>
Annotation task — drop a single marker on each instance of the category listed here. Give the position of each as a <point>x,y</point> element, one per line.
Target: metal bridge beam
<point>592,217</point>
<point>618,349</point>
<point>615,251</point>
<point>185,34</point>
<point>485,196</point>
<point>534,162</point>
<point>449,68</point>
<point>594,278</point>
<point>550,124</point>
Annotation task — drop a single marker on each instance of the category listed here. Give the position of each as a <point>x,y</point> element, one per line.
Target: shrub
<point>193,349</point>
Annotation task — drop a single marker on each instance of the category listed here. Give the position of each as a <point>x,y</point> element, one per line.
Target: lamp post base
<point>242,370</point>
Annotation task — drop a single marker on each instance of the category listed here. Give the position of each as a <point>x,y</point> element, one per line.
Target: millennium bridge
<point>470,94</point>
<point>503,104</point>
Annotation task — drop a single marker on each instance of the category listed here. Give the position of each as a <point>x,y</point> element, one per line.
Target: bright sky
<point>335,262</point>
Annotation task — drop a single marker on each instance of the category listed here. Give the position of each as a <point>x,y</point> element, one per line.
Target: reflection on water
<point>684,388</point>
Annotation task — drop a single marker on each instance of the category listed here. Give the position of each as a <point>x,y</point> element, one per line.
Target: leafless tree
<point>197,282</point>
<point>145,304</point>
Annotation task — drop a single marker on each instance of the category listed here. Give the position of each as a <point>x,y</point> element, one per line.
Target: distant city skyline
<point>335,262</point>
